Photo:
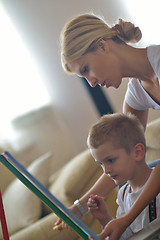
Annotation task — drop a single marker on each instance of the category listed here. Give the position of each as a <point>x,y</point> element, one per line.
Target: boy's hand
<point>60,225</point>
<point>98,209</point>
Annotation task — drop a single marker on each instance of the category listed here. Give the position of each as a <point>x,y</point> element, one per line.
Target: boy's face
<point>116,163</point>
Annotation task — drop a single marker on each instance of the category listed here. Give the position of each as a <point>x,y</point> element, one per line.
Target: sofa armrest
<point>43,230</point>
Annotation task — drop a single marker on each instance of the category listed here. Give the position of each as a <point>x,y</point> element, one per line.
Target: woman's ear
<point>104,45</point>
<point>139,149</point>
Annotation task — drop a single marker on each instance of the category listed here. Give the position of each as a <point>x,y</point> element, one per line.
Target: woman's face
<point>99,67</point>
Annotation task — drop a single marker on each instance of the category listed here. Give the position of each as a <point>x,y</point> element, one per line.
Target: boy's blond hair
<point>124,131</point>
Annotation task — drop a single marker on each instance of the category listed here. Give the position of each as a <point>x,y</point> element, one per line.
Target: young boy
<point>118,144</point>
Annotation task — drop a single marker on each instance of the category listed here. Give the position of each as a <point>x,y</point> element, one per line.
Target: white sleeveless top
<point>125,201</point>
<point>136,96</point>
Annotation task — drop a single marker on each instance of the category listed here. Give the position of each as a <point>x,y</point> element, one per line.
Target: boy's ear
<point>139,151</point>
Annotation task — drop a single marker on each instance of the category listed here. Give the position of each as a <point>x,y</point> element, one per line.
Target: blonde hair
<point>124,131</point>
<point>84,33</point>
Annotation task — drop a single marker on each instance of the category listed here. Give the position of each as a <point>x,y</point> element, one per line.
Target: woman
<point>101,54</point>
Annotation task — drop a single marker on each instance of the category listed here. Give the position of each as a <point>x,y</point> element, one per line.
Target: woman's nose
<point>107,170</point>
<point>92,81</point>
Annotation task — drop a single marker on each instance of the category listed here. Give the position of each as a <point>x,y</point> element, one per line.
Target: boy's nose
<point>107,170</point>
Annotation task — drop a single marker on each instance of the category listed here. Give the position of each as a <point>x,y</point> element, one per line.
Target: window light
<point>21,86</point>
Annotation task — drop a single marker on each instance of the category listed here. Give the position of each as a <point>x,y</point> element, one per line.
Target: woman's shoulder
<point>134,96</point>
<point>153,53</point>
<point>153,50</point>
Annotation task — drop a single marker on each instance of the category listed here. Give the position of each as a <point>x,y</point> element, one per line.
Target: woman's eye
<point>85,69</point>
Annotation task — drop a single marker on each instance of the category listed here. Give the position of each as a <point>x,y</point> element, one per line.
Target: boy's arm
<point>116,227</point>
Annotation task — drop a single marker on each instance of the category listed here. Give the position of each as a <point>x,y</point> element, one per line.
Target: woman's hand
<point>114,229</point>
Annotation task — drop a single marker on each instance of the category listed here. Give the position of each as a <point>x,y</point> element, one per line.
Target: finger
<point>95,197</point>
<point>92,196</point>
<point>59,220</point>
<point>90,238</point>
<point>93,208</point>
<point>61,226</point>
<point>90,200</point>
<point>104,235</point>
<point>58,227</point>
<point>92,205</point>
<point>65,226</point>
<point>107,236</point>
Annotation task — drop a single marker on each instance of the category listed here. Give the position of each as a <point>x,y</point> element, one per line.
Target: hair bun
<point>127,31</point>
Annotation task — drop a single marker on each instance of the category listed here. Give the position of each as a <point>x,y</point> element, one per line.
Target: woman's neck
<point>135,63</point>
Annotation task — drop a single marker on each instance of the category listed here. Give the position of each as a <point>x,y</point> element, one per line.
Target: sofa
<point>29,219</point>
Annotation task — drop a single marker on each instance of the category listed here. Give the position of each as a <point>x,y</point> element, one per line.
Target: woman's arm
<point>141,115</point>
<point>103,186</point>
<point>150,191</point>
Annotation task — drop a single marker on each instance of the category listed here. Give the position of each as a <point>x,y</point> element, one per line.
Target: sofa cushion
<point>76,177</point>
<point>152,134</point>
<point>21,206</point>
<point>152,154</point>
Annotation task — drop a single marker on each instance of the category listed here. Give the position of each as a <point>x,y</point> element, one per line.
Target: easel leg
<point>3,220</point>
